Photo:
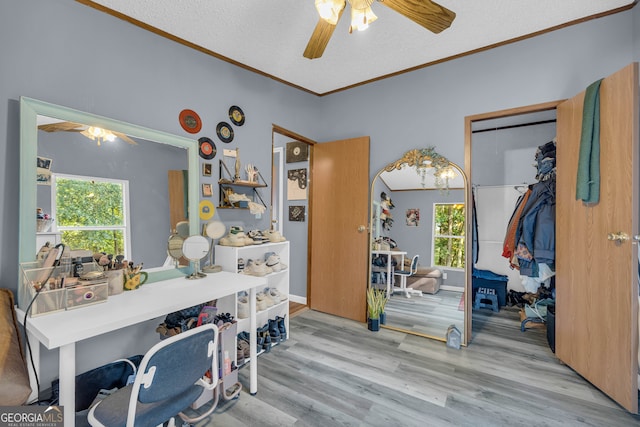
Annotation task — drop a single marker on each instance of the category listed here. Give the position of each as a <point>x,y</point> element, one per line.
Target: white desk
<point>63,330</point>
<point>390,254</point>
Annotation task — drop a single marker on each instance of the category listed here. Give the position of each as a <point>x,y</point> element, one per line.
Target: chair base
<point>408,291</point>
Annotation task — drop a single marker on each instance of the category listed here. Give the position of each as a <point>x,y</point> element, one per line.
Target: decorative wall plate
<point>236,115</point>
<point>207,148</point>
<point>224,131</point>
<point>206,210</point>
<point>190,121</point>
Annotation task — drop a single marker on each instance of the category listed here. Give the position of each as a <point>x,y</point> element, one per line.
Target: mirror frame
<point>29,111</point>
<point>410,158</point>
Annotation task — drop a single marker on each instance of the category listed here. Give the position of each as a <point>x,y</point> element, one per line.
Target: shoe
<point>282,327</point>
<point>264,339</point>
<point>257,267</point>
<point>243,307</point>
<point>269,299</point>
<point>274,263</point>
<point>243,341</point>
<point>236,237</point>
<point>261,302</point>
<point>274,331</point>
<point>257,237</point>
<point>240,265</point>
<point>274,236</point>
<point>276,295</point>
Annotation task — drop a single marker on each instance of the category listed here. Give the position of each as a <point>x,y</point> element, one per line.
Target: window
<point>448,235</point>
<point>91,213</point>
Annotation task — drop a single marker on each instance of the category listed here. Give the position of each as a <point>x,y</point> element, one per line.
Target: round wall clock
<point>236,115</point>
<point>190,121</point>
<point>224,131</point>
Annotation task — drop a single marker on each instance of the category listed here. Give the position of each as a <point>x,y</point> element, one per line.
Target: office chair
<point>403,278</point>
<point>169,380</point>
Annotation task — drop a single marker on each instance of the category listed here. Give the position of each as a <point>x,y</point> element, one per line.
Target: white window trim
<point>126,206</point>
<point>434,236</point>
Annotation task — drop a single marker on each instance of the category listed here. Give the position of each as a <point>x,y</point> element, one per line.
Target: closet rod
<point>543,122</point>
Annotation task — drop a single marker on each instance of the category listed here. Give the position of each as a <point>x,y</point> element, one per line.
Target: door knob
<point>618,237</point>
<point>362,229</point>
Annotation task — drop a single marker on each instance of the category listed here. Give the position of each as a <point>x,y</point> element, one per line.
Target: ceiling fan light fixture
<point>329,10</point>
<point>361,18</point>
<point>99,134</point>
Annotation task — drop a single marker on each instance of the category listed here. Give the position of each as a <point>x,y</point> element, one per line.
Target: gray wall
<point>47,49</point>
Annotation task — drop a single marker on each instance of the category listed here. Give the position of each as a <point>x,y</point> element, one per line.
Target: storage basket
<point>43,225</point>
<point>81,294</point>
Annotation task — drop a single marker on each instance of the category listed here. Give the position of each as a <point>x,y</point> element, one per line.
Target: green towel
<point>588,180</point>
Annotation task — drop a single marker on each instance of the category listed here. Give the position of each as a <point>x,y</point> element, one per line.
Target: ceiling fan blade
<point>320,38</point>
<point>426,13</point>
<point>62,127</point>
<point>125,138</point>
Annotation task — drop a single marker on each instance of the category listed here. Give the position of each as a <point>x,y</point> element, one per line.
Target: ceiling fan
<point>92,132</point>
<point>426,13</point>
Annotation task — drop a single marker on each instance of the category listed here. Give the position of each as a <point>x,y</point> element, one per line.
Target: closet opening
<point>508,153</point>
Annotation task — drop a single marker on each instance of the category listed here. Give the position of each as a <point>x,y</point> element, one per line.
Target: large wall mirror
<point>418,209</point>
<point>138,157</point>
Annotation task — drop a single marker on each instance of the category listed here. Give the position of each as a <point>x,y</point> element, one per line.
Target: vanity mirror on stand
<point>138,155</point>
<point>406,195</point>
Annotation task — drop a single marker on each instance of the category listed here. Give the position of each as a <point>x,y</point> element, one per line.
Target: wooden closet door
<point>339,205</point>
<point>597,290</point>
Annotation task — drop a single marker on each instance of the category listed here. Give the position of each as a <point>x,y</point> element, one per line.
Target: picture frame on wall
<point>297,213</point>
<point>207,190</point>
<point>297,152</point>
<point>297,184</point>
<point>206,169</point>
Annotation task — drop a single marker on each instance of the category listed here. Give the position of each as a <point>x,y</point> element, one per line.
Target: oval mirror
<point>194,249</point>
<point>417,243</point>
<point>174,248</point>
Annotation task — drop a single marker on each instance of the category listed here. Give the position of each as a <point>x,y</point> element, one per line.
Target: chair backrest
<point>174,365</point>
<point>414,264</point>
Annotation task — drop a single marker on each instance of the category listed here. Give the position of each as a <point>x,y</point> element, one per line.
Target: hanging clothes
<point>530,237</point>
<point>588,176</point>
<point>509,245</point>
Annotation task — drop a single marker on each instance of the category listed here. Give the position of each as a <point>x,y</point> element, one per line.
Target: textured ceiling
<point>270,36</point>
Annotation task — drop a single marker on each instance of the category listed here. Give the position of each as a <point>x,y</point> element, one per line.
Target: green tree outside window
<point>90,213</point>
<point>448,232</point>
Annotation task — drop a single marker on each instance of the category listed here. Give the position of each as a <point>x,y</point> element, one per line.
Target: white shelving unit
<point>228,256</point>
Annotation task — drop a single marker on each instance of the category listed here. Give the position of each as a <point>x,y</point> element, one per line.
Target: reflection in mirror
<point>418,214</point>
<point>137,155</point>
<point>134,222</point>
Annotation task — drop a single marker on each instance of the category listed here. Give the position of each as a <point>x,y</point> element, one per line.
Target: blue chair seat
<point>110,411</point>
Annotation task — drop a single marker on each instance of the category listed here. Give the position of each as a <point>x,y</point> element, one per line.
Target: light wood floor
<point>334,372</point>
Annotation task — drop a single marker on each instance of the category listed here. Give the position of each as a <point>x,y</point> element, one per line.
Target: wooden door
<point>597,293</point>
<point>339,205</point>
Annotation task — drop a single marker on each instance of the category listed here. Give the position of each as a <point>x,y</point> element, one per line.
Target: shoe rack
<point>228,256</point>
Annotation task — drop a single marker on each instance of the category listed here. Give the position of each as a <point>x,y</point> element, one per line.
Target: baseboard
<point>298,299</point>
<point>452,288</point>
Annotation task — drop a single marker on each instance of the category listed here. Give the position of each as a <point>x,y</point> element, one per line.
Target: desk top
<point>380,252</point>
<point>130,307</point>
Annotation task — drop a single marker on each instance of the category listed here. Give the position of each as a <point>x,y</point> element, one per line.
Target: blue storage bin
<point>490,280</point>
